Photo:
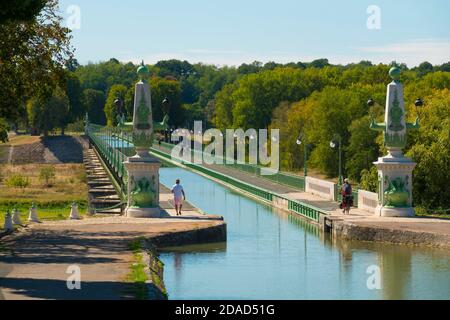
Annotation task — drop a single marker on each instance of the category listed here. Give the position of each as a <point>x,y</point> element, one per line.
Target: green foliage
<point>44,115</point>
<point>167,88</point>
<point>94,102</point>
<point>431,151</point>
<point>4,127</point>
<point>111,110</point>
<point>362,148</point>
<point>47,174</point>
<point>369,179</point>
<point>102,76</point>
<point>75,96</point>
<point>17,181</point>
<point>254,97</point>
<point>35,50</point>
<point>24,10</point>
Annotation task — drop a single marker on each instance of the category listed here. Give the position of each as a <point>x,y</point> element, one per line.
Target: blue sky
<point>236,31</point>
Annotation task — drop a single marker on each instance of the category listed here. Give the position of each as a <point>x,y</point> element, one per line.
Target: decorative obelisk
<point>142,169</point>
<point>395,170</point>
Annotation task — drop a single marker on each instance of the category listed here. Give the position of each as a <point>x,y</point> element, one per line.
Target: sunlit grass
<point>44,214</point>
<point>68,185</point>
<point>137,275</point>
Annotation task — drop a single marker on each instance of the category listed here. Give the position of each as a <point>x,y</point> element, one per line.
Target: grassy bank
<point>66,184</point>
<point>52,188</point>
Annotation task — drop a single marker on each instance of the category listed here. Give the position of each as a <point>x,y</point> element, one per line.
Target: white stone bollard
<point>74,215</point>
<point>33,217</point>
<point>8,222</point>
<point>16,217</point>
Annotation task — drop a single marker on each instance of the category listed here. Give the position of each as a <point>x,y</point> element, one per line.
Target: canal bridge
<point>282,190</point>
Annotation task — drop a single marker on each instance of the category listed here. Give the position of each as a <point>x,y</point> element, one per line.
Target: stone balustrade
<point>367,200</point>
<point>322,188</point>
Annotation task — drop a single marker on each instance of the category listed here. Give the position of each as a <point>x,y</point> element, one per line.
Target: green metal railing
<point>285,178</point>
<point>113,146</point>
<point>305,210</point>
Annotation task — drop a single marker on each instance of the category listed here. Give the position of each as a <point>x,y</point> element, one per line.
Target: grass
<point>44,214</point>
<point>69,184</point>
<point>53,202</point>
<point>137,274</point>
<point>429,213</point>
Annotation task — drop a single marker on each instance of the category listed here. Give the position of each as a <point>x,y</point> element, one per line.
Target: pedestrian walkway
<point>34,262</point>
<point>272,186</point>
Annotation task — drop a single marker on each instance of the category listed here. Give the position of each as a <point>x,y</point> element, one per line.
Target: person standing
<point>178,196</point>
<point>347,196</point>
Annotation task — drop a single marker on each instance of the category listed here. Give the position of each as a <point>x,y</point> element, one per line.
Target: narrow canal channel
<point>272,255</point>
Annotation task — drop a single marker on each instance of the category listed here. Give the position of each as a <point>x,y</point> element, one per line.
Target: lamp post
<point>119,104</point>
<point>165,108</point>
<point>302,140</point>
<point>336,143</point>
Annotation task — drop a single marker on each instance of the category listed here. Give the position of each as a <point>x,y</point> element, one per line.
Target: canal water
<point>273,255</point>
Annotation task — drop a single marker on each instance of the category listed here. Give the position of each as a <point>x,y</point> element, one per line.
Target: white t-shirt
<point>177,190</point>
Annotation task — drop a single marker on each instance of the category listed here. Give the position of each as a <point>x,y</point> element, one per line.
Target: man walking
<point>178,196</point>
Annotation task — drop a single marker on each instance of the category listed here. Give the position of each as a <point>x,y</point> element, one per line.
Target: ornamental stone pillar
<point>395,170</point>
<point>142,169</point>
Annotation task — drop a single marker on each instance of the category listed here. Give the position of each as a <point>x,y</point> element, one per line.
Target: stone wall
<point>321,188</point>
<point>367,200</point>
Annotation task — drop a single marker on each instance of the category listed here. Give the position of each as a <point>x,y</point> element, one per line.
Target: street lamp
<point>419,102</point>
<point>302,140</point>
<point>336,143</point>
<point>119,104</point>
<point>165,108</point>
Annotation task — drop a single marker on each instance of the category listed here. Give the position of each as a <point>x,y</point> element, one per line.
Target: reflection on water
<point>274,255</point>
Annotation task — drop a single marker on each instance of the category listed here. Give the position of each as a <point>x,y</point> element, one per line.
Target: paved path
<point>37,267</point>
<point>33,263</point>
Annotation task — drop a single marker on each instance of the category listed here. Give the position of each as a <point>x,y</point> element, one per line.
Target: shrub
<point>369,179</point>
<point>47,174</point>
<point>17,181</point>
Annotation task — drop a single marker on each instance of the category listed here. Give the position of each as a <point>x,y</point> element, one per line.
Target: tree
<point>319,63</point>
<point>4,127</point>
<point>175,68</point>
<point>24,10</point>
<point>253,97</point>
<point>74,93</point>
<point>254,67</point>
<point>445,67</point>
<point>424,68</point>
<point>33,52</point>
<point>103,75</point>
<point>362,149</point>
<point>431,151</point>
<point>111,110</point>
<point>94,102</point>
<point>167,88</point>
<point>46,114</point>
